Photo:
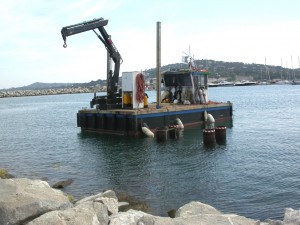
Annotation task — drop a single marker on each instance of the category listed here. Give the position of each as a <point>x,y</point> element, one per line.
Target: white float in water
<point>210,118</point>
<point>147,131</point>
<point>179,123</point>
<point>210,121</point>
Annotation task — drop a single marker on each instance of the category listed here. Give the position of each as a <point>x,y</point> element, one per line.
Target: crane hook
<point>65,45</point>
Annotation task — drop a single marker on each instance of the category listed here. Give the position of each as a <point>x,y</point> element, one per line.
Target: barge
<point>126,111</point>
<point>182,99</point>
<point>129,121</point>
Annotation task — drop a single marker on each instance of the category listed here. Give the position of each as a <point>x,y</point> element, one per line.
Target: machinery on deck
<point>113,100</point>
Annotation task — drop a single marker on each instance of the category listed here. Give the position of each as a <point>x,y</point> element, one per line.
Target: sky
<point>248,31</point>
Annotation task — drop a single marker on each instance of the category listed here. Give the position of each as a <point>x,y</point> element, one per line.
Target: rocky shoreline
<point>54,91</point>
<point>33,202</point>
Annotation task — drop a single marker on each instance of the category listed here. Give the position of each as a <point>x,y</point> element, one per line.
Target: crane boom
<point>82,27</point>
<point>112,77</point>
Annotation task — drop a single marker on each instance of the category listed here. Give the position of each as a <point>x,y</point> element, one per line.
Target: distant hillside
<point>232,70</point>
<point>41,86</point>
<point>227,70</point>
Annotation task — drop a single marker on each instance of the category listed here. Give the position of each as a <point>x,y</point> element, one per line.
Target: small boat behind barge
<point>185,97</point>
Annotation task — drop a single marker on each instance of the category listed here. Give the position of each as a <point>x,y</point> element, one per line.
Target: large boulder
<point>195,208</point>
<point>204,219</point>
<point>291,217</point>
<point>87,213</point>
<point>195,213</point>
<point>22,200</point>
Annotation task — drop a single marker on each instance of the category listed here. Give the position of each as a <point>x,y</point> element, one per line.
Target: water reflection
<point>255,174</point>
<point>150,170</point>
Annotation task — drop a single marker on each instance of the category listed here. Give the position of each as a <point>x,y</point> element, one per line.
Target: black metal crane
<point>112,99</point>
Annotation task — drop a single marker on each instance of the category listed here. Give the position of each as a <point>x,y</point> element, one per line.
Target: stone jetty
<point>34,202</point>
<point>50,91</point>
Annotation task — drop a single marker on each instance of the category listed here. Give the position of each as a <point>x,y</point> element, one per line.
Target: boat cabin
<point>185,86</point>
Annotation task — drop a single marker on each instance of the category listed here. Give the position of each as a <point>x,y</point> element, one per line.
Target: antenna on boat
<point>188,59</point>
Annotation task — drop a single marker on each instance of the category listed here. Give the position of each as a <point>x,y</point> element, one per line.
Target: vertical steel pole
<point>109,74</point>
<point>158,65</point>
<point>108,69</point>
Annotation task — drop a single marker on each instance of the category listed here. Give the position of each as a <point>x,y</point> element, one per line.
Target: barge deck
<point>129,121</point>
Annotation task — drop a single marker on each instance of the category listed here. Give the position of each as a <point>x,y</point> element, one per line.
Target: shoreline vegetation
<point>35,202</point>
<point>218,70</point>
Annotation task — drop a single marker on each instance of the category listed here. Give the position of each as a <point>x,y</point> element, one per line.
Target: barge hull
<point>129,121</point>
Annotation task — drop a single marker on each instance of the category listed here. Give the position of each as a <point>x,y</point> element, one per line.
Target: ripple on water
<point>255,174</point>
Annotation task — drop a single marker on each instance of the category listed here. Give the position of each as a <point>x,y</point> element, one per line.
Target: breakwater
<point>54,91</point>
<point>34,202</point>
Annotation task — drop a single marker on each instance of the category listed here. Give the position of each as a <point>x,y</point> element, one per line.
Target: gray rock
<point>62,184</point>
<point>291,217</point>
<point>22,200</point>
<point>237,220</point>
<point>109,194</point>
<point>134,203</point>
<point>204,219</point>
<point>106,194</point>
<point>195,213</point>
<point>272,222</point>
<point>130,217</point>
<point>195,208</point>
<point>34,202</point>
<point>111,203</point>
<point>156,220</point>
<point>90,198</point>
<point>87,213</point>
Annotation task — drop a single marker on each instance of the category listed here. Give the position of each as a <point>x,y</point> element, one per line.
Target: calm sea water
<point>256,174</point>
